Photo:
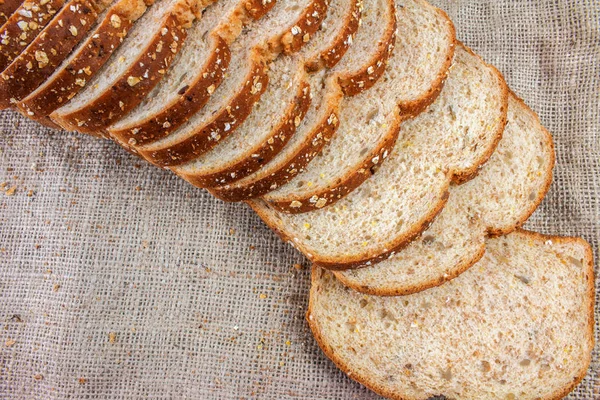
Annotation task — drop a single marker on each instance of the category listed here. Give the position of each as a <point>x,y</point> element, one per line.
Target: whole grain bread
<point>457,134</point>
<point>518,325</point>
<point>7,8</point>
<point>233,100</point>
<point>370,121</point>
<point>194,76</point>
<point>133,70</point>
<point>378,25</point>
<point>85,60</point>
<point>27,21</point>
<point>282,107</point>
<point>48,50</point>
<point>501,198</point>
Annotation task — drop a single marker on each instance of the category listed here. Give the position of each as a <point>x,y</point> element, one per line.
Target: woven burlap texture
<point>120,281</point>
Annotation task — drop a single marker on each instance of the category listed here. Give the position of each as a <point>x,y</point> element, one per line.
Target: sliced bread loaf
<point>192,79</point>
<point>133,70</point>
<point>501,198</point>
<point>28,20</point>
<point>370,121</point>
<point>457,134</point>
<point>247,80</point>
<point>85,60</point>
<point>518,325</point>
<point>47,51</point>
<point>377,26</point>
<point>281,108</point>
<point>7,8</point>
<point>269,127</point>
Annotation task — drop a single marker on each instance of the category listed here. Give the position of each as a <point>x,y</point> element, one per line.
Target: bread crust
<point>299,34</point>
<point>133,85</point>
<point>262,153</point>
<point>313,144</point>
<point>7,8</point>
<point>47,51</point>
<point>63,86</point>
<point>469,260</point>
<point>20,29</point>
<point>329,57</point>
<point>355,82</point>
<point>348,369</point>
<point>175,114</point>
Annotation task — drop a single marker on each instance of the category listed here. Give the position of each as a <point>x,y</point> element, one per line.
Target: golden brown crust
<point>108,35</point>
<point>7,8</point>
<point>317,200</point>
<point>329,57</point>
<point>258,8</point>
<point>208,135</point>
<point>368,258</point>
<point>348,369</point>
<point>363,79</point>
<point>264,152</point>
<point>47,51</point>
<point>312,146</point>
<point>23,26</point>
<point>133,85</point>
<point>192,98</point>
<point>301,32</point>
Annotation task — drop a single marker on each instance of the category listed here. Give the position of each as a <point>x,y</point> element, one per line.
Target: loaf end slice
<point>498,331</point>
<point>501,198</point>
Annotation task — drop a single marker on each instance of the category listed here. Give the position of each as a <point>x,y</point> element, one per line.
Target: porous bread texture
<point>85,60</point>
<point>396,204</point>
<point>315,130</point>
<point>369,122</point>
<point>501,198</point>
<point>269,127</point>
<point>7,8</point>
<point>322,119</point>
<point>233,100</point>
<point>518,325</point>
<point>133,70</point>
<point>28,20</point>
<point>197,71</point>
<point>47,51</point>
<point>366,59</point>
<point>329,44</point>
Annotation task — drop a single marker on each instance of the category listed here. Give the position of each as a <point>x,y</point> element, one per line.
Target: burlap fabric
<point>118,280</point>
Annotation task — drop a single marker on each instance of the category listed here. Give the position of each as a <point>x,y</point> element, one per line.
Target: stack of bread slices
<point>367,136</point>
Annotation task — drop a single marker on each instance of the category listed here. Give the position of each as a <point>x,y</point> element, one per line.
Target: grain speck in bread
<point>501,198</point>
<point>85,60</point>
<point>247,80</point>
<point>518,325</point>
<point>132,72</point>
<point>322,120</point>
<point>370,121</point>
<point>47,51</point>
<point>386,212</point>
<point>28,20</point>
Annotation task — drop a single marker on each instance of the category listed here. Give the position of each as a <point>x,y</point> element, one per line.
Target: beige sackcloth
<point>119,280</point>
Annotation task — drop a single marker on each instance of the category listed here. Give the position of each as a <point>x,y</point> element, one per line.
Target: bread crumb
<point>112,337</point>
<point>11,191</point>
<point>298,266</point>
<point>262,296</point>
<point>10,342</point>
<point>38,377</point>
<point>82,380</point>
<point>56,287</point>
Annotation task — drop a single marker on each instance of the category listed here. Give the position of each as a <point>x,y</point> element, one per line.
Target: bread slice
<point>194,76</point>
<point>133,70</point>
<point>456,135</point>
<point>370,48</point>
<point>7,8</point>
<point>518,325</point>
<point>281,108</point>
<point>370,121</point>
<point>85,60</point>
<point>48,50</point>
<point>233,100</point>
<point>28,20</point>
<point>268,128</point>
<point>501,198</point>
